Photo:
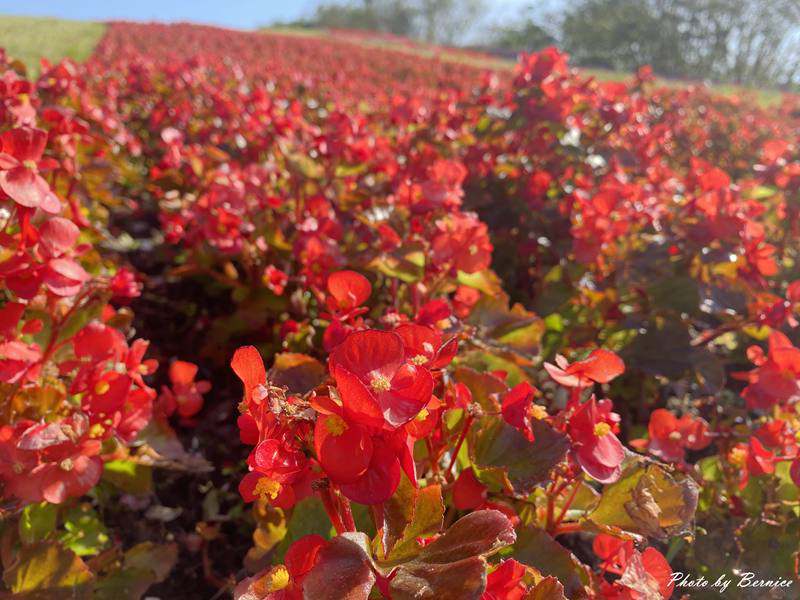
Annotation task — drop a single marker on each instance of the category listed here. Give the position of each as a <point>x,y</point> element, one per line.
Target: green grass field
<point>32,38</point>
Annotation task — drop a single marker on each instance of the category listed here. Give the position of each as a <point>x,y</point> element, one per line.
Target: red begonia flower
<point>505,582</point>
<point>601,366</point>
<point>343,449</point>
<point>468,492</point>
<point>372,375</point>
<point>381,478</point>
<point>424,347</point>
<point>348,290</point>
<point>249,367</point>
<point>670,437</point>
<point>517,406</point>
<point>595,447</point>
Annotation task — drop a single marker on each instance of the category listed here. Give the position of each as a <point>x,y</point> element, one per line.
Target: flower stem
<point>457,449</point>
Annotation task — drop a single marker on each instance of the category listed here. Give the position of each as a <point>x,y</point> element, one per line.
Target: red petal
<point>364,353</point>
<point>24,143</point>
<point>379,482</point>
<point>301,556</point>
<point>658,567</point>
<point>358,403</point>
<point>249,367</point>
<point>468,492</point>
<point>24,186</point>
<point>182,372</point>
<point>602,366</point>
<point>345,456</point>
<point>57,235</point>
<point>350,289</point>
<point>410,392</point>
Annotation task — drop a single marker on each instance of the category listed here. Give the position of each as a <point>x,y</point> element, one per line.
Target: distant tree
<point>615,34</point>
<point>524,34</point>
<point>435,21</point>
<point>445,21</point>
<point>740,41</point>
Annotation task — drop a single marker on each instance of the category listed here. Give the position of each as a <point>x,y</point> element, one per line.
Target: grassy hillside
<point>31,38</point>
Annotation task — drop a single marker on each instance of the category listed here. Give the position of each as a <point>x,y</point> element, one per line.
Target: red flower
<point>751,459</point>
<point>249,367</point>
<point>601,366</point>
<point>596,448</point>
<point>518,408</point>
<point>20,154</point>
<point>644,576</point>
<point>461,244</point>
<point>123,286</point>
<point>376,381</point>
<point>186,395</point>
<point>284,582</point>
<point>468,492</point>
<point>776,378</point>
<point>347,291</point>
<point>344,450</point>
<point>16,360</point>
<point>278,472</point>
<point>275,279</point>
<point>670,437</point>
<point>363,460</point>
<point>423,346</point>
<point>65,457</point>
<point>505,582</point>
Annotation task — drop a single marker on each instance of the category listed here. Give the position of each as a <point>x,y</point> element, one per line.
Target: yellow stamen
<point>96,430</point>
<point>675,436</point>
<point>101,388</point>
<point>538,412</point>
<point>335,425</point>
<point>419,359</point>
<point>379,383</point>
<point>602,429</point>
<point>66,464</point>
<point>737,457</point>
<point>267,488</point>
<point>273,581</point>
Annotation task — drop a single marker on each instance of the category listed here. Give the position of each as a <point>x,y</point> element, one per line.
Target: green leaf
<point>47,570</point>
<point>398,267</point>
<point>485,387</point>
<point>512,328</point>
<point>426,520</point>
<point>159,559</point>
<point>536,548</point>
<point>37,522</point>
<point>85,534</point>
<point>499,447</point>
<point>143,566</point>
<point>648,501</point>
<point>307,517</point>
<point>485,281</point>
<point>129,476</point>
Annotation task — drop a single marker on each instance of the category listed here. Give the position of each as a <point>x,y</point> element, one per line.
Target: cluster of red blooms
<point>72,385</point>
<point>368,211</point>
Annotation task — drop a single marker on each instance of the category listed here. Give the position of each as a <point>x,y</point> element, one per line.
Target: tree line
<point>750,42</point>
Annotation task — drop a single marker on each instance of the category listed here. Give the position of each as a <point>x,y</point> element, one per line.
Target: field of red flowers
<point>291,318</point>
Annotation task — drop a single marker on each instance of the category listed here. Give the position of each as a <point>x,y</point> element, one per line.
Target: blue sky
<point>229,13</point>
